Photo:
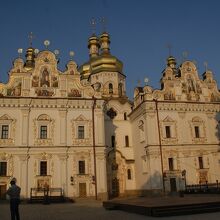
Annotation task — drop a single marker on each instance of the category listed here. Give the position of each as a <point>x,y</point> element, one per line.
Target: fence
<point>46,195</point>
<point>203,188</point>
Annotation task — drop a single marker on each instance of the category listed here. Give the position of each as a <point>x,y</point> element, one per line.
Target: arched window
<point>125,116</point>
<point>120,89</point>
<point>129,174</point>
<point>110,88</point>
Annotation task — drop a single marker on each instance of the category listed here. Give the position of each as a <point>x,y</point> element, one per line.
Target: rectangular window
<point>43,168</point>
<point>4,134</point>
<point>82,167</point>
<point>201,163</point>
<point>3,168</point>
<point>126,141</point>
<point>43,132</point>
<point>81,132</point>
<point>113,141</point>
<point>197,135</point>
<point>170,161</point>
<point>168,132</point>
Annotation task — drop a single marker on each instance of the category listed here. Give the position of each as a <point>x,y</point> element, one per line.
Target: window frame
<point>129,176</point>
<point>197,131</point>
<point>168,131</point>
<point>110,88</point>
<point>43,133</point>
<point>171,163</point>
<point>81,133</point>
<point>43,168</point>
<point>82,167</point>
<point>126,141</point>
<point>3,169</point>
<point>201,162</point>
<point>6,135</point>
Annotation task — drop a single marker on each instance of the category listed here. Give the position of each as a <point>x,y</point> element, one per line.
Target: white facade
<point>76,130</point>
<point>177,130</point>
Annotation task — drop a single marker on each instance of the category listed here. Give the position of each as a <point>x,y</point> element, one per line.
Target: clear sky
<point>140,32</point>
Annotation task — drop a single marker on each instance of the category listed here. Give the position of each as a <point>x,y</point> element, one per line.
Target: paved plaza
<point>86,210</point>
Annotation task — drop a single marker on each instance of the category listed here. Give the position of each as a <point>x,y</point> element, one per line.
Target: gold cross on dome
<point>93,25</point>
<point>30,37</point>
<point>206,65</point>
<point>169,46</point>
<point>104,23</point>
<point>185,55</point>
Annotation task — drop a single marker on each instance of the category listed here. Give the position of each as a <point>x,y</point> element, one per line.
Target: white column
<point>63,126</point>
<point>63,173</point>
<point>101,174</point>
<point>25,118</point>
<point>100,128</point>
<point>23,182</point>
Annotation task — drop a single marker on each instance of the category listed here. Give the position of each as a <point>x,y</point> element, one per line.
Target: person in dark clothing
<point>14,194</point>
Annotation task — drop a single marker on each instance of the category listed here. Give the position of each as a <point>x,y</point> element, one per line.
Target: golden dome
<point>171,61</point>
<point>93,40</point>
<point>105,42</point>
<point>103,62</point>
<point>93,45</point>
<point>30,55</point>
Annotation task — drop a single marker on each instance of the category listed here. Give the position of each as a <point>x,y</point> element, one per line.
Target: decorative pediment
<point>196,119</point>
<point>45,156</point>
<point>14,86</point>
<point>71,68</point>
<point>46,57</point>
<point>5,117</point>
<point>188,66</point>
<point>81,118</point>
<point>4,156</point>
<point>43,117</point>
<point>168,119</point>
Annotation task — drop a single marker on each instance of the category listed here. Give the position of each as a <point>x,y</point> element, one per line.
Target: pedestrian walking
<point>14,194</point>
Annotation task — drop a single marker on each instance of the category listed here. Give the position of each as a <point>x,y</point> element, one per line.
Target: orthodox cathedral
<point>76,131</point>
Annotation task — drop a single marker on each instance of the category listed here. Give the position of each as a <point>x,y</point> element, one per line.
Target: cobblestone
<point>83,210</point>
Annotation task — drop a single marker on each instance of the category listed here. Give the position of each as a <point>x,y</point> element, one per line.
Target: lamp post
<point>93,143</point>
<point>160,145</point>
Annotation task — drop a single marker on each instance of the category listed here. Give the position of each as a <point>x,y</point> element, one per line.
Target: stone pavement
<point>85,210</point>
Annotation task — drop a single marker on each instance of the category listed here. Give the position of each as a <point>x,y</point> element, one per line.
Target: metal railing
<point>203,188</point>
<point>46,195</point>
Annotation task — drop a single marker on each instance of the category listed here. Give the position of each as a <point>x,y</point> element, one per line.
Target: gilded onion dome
<point>171,62</point>
<point>101,62</point>
<point>93,46</point>
<point>30,55</point>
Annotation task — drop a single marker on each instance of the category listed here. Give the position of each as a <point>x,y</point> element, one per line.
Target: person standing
<point>14,194</point>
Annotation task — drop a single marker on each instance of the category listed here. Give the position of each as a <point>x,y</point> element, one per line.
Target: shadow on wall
<point>111,160</point>
<point>217,133</point>
<point>153,186</point>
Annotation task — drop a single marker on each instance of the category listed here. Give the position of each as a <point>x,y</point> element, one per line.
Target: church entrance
<point>82,190</point>
<point>173,185</point>
<point>115,187</point>
<point>3,189</point>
